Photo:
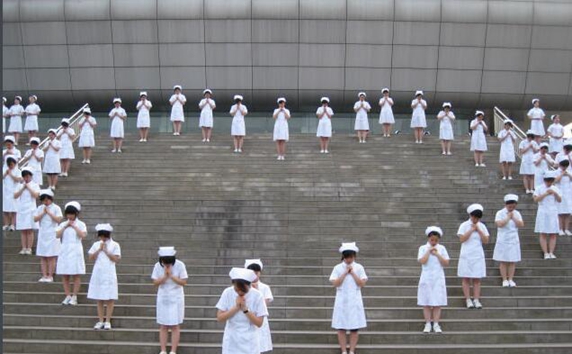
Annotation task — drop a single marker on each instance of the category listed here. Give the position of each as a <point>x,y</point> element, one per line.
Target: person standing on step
<point>566,151</point>
<point>432,290</point>
<point>265,336</point>
<point>386,118</point>
<point>177,101</point>
<point>536,116</point>
<point>5,114</point>
<point>87,126</point>
<point>238,128</point>
<point>446,118</point>
<point>556,133</point>
<point>542,162</point>
<point>361,107</point>
<point>324,132</point>
<point>52,166</point>
<point>348,278</point>
<point>507,247</point>
<point>507,157</point>
<point>473,234</point>
<point>478,138</point>
<point>32,111</point>
<point>564,183</point>
<point>281,132</point>
<point>548,196</point>
<point>35,157</point>
<point>16,112</point>
<point>418,121</point>
<point>118,117</point>
<point>242,308</point>
<point>206,121</point>
<point>103,283</point>
<point>170,277</point>
<point>71,263</point>
<point>528,148</point>
<point>143,117</point>
<point>66,136</point>
<point>12,176</point>
<point>48,215</point>
<point>26,194</point>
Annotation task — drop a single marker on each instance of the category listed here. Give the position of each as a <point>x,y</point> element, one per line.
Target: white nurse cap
<point>510,198</point>
<point>167,251</point>
<point>479,113</point>
<point>87,110</point>
<point>384,90</point>
<point>52,131</point>
<point>117,99</point>
<point>19,98</point>
<point>207,91</point>
<point>552,117</point>
<point>9,138</point>
<point>281,99</point>
<point>431,229</point>
<point>447,104</point>
<point>418,92</point>
<point>534,100</point>
<point>474,207</point>
<point>104,227</point>
<point>143,93</point>
<point>65,120</point>
<point>28,169</point>
<point>530,132</point>
<point>544,145</point>
<point>47,192</point>
<point>550,174</point>
<point>325,99</point>
<point>35,140</point>
<point>362,94</point>
<point>238,97</point>
<point>4,99</point>
<point>34,97</point>
<point>562,158</point>
<point>253,261</point>
<point>349,246</point>
<point>242,274</point>
<point>508,121</point>
<point>73,204</point>
<point>177,87</point>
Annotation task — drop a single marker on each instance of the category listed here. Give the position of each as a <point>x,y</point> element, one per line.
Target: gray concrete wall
<point>475,53</point>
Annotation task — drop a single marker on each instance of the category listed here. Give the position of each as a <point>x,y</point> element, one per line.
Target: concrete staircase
<point>219,208</point>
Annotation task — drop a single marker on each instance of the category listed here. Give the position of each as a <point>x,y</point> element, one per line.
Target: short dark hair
<point>255,267</point>
<point>44,196</point>
<point>242,285</point>
<point>564,163</point>
<point>477,213</point>
<point>167,260</point>
<point>104,233</point>
<point>434,233</point>
<point>348,254</point>
<point>26,173</point>
<point>70,209</point>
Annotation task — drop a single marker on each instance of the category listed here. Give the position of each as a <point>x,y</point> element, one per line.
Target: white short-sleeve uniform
<point>170,295</point>
<point>265,335</point>
<point>9,186</point>
<point>48,244</point>
<point>12,152</point>
<point>565,187</point>
<point>536,115</point>
<point>52,158</point>
<point>547,213</point>
<point>16,113</point>
<point>103,281</point>
<point>472,256</point>
<point>542,167</point>
<point>556,144</point>
<point>26,208</point>
<point>507,146</point>
<point>66,152</point>
<point>240,335</point>
<point>361,123</point>
<point>143,116</point>
<point>527,159</point>
<point>32,112</point>
<point>34,162</point>
<point>478,137</point>
<point>446,125</point>
<point>324,123</point>
<point>349,312</point>
<point>418,119</point>
<point>177,113</point>
<point>238,127</point>
<point>71,260</point>
<point>432,290</point>
<point>281,131</point>
<point>507,246</point>
<point>386,113</point>
<point>206,119</point>
<point>86,134</point>
<point>5,111</point>
<point>117,130</point>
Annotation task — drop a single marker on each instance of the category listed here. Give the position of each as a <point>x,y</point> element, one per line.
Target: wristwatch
<point>245,311</point>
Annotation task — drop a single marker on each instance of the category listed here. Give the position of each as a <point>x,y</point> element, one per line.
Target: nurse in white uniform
<point>177,101</point>
<point>238,128</point>
<point>16,112</point>
<point>32,111</point>
<point>10,149</point>
<point>446,118</point>
<point>281,133</point>
<point>473,234</point>
<point>432,290</point>
<point>536,116</point>
<point>48,215</point>
<point>26,194</point>
<point>52,166</point>
<point>478,138</point>
<point>361,126</point>
<point>528,148</point>
<point>103,282</point>
<point>12,176</point>
<point>206,120</point>
<point>548,196</point>
<point>386,118</point>
<point>35,157</point>
<point>118,116</point>
<point>265,336</point>
<point>556,134</point>
<point>542,162</point>
<point>348,278</point>
<point>564,183</point>
<point>418,121</point>
<point>242,308</point>
<point>170,276</point>
<point>143,116</point>
<point>507,247</point>
<point>66,135</point>
<point>87,126</point>
<point>507,156</point>
<point>324,132</point>
<point>5,114</point>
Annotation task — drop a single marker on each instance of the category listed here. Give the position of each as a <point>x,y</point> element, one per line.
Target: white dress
<point>9,203</point>
<point>177,113</point>
<point>446,125</point>
<point>361,123</point>
<point>70,259</point>
<point>26,208</point>
<point>240,335</point>
<point>16,113</point>
<point>86,134</point>
<point>103,281</point>
<point>48,244</point>
<point>547,213</point>
<point>386,114</point>
<point>12,152</point>
<point>556,144</point>
<point>527,159</point>
<point>536,115</point>
<point>238,127</point>
<point>35,164</point>
<point>507,246</point>
<point>5,111</point>
<point>206,119</point>
<point>281,131</point>
<point>143,117</point>
<point>472,257</point>
<point>52,158</point>
<point>324,124</point>
<point>265,335</point>
<point>432,290</point>
<point>541,168</point>
<point>507,153</point>
<point>418,117</point>
<point>170,295</point>
<point>478,137</point>
<point>32,112</point>
<point>66,152</point>
<point>117,130</point>
<point>565,186</point>
<point>349,312</point>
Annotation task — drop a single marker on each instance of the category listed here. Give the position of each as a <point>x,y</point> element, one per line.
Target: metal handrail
<point>499,118</point>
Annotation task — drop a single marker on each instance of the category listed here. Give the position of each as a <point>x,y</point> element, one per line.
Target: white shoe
<point>141,140</point>
<point>208,140</point>
<point>477,165</point>
<point>98,326</point>
<point>83,161</point>
<point>527,191</point>
<point>107,326</point>
<point>113,151</point>
<point>326,152</point>
<point>478,304</point>
<point>510,178</point>
<point>29,252</point>
<point>568,233</point>
<point>437,329</point>
<point>235,150</point>
<point>73,300</point>
<point>503,178</point>
<point>511,283</point>
<point>561,233</point>
<point>49,279</point>
<point>239,150</point>
<point>427,328</point>
<point>22,251</point>
<point>283,158</point>
<point>144,140</point>
<point>5,227</point>
<point>483,165</point>
<point>175,133</point>
<point>279,158</point>
<point>172,353</point>
<point>547,256</point>
<point>67,300</point>
<point>12,227</point>
<point>162,352</point>
<point>365,142</point>
<point>552,256</point>
<point>42,280</point>
<point>443,153</point>
<point>321,151</point>
<point>449,153</point>
<point>505,284</point>
<point>470,304</point>
<point>88,161</point>
<point>118,150</point>
<point>204,140</point>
